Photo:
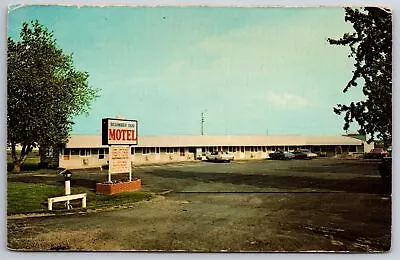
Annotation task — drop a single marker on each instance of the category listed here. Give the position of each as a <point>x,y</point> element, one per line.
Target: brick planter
<point>113,188</point>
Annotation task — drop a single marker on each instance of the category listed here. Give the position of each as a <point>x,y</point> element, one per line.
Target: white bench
<point>67,198</point>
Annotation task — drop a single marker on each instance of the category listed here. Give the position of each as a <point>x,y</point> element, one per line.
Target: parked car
<point>299,155</point>
<point>220,156</point>
<point>281,155</point>
<point>304,154</point>
<point>376,153</point>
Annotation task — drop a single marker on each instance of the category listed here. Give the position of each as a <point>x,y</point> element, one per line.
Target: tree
<point>44,92</point>
<point>371,47</point>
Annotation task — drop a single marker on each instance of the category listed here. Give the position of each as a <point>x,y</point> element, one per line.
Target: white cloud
<point>286,100</point>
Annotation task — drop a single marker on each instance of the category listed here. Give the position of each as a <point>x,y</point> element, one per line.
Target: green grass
<point>29,197</point>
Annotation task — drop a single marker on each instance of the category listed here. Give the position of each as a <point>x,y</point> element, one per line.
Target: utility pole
<point>202,120</point>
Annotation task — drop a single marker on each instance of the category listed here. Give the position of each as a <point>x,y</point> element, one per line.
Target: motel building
<point>87,151</point>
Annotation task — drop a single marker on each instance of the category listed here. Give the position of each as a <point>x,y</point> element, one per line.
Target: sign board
<point>119,132</point>
<point>119,159</point>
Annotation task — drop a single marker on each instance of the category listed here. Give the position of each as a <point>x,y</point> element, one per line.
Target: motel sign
<point>119,135</point>
<point>119,132</point>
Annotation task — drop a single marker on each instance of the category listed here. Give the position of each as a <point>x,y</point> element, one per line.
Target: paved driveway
<point>321,204</point>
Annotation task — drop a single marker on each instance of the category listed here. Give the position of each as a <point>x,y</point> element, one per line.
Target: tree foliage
<point>44,92</point>
<point>371,47</point>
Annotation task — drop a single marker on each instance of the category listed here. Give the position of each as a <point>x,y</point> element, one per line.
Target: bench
<point>67,198</point>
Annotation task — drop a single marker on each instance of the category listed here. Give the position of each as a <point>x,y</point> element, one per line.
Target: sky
<point>251,71</point>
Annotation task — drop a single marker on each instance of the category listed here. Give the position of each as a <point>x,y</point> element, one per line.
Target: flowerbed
<point>113,188</point>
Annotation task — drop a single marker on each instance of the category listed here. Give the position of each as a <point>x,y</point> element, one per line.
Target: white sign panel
<point>119,159</point>
<point>119,132</point>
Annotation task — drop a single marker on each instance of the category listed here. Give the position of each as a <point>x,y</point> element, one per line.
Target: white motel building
<point>87,151</point>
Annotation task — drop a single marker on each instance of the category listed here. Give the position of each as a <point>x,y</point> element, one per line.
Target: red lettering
<point>111,134</point>
<point>118,134</point>
<point>133,135</point>
<point>123,134</point>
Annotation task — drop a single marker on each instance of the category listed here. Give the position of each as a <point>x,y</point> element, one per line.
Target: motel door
<point>242,152</point>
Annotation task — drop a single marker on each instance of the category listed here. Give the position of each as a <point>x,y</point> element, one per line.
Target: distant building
<point>87,151</point>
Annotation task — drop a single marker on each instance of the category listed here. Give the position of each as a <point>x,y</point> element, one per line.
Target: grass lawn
<point>32,197</point>
<point>25,197</point>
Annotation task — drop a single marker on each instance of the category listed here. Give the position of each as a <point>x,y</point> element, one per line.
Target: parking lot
<point>263,205</point>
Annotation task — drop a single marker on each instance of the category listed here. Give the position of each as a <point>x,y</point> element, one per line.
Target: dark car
<point>281,155</point>
<point>298,154</point>
<point>376,153</point>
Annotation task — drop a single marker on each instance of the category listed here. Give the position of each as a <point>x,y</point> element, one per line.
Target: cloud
<point>286,100</point>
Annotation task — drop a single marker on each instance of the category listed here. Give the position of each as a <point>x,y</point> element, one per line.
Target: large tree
<point>44,92</point>
<point>371,47</point>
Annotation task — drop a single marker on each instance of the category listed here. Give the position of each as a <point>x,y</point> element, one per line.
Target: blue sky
<point>253,70</point>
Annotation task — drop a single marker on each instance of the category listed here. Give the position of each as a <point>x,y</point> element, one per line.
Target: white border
<point>5,254</point>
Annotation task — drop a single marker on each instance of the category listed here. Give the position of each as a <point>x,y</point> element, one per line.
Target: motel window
<point>138,150</point>
<point>84,152</point>
<point>182,151</point>
<point>170,150</point>
<point>67,154</point>
<point>163,149</point>
<point>252,149</point>
<point>242,149</point>
<point>101,153</point>
<point>146,150</point>
<point>352,148</point>
<point>264,149</point>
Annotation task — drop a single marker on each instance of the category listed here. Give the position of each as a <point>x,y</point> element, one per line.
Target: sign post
<point>119,135</point>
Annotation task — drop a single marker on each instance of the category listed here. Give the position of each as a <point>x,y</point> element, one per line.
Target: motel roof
<point>94,141</point>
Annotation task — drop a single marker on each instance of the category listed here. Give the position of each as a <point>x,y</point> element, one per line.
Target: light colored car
<point>308,153</point>
<point>220,156</point>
